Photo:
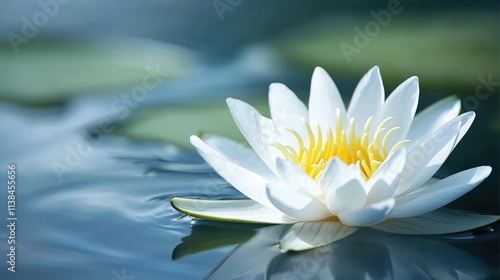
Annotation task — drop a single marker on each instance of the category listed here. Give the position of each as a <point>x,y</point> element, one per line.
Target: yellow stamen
<point>343,144</point>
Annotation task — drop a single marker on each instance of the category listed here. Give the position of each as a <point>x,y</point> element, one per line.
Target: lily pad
<point>44,72</point>
<point>452,50</point>
<point>174,125</point>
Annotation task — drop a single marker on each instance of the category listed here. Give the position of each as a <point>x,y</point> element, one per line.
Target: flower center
<point>343,144</point>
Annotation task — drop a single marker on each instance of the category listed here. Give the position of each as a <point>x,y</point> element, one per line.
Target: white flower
<point>368,165</point>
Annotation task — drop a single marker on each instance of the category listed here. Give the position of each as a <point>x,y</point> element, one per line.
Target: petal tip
<point>467,118</point>
<point>277,91</point>
<point>414,81</point>
<point>319,69</point>
<point>276,86</point>
<point>321,74</point>
<point>375,69</point>
<point>195,140</point>
<point>231,102</point>
<point>486,169</point>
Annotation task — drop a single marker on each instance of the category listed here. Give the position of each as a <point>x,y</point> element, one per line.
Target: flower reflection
<point>367,254</point>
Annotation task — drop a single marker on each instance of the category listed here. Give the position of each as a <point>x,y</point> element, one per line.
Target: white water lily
<point>368,165</point>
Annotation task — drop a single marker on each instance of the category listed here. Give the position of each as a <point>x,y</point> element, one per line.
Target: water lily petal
<point>379,191</point>
<point>296,178</point>
<point>269,135</point>
<point>368,216</point>
<point>440,221</point>
<point>429,197</point>
<point>257,130</point>
<point>287,110</point>
<point>384,181</point>
<point>324,100</point>
<point>348,197</point>
<point>367,99</point>
<point>297,205</point>
<point>303,236</point>
<point>401,105</point>
<point>424,159</point>
<point>336,172</point>
<point>240,155</point>
<point>433,117</point>
<point>239,211</point>
<point>467,120</point>
<point>247,182</point>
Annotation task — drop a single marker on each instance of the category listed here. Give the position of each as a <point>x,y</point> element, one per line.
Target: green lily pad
<point>44,72</point>
<point>174,125</point>
<point>451,50</point>
<point>235,211</point>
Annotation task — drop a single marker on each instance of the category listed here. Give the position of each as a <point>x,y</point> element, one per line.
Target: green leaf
<point>174,125</point>
<point>236,211</point>
<point>446,49</point>
<point>44,72</point>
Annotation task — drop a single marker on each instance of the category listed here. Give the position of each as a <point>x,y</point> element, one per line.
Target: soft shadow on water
<point>108,216</point>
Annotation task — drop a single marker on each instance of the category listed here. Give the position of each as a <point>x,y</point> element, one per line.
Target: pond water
<point>109,217</point>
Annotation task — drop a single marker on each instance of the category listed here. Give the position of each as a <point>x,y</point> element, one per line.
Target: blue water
<point>108,216</point>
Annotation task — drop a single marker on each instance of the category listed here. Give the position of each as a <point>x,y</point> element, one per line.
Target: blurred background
<point>92,92</point>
